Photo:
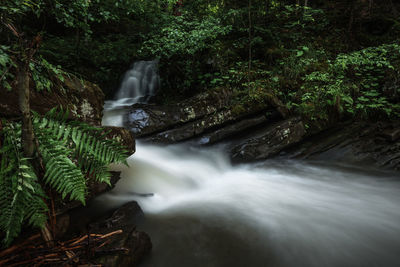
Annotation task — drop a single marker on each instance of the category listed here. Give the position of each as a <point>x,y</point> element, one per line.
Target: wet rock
<point>122,135</point>
<point>84,99</point>
<point>269,143</point>
<point>209,123</point>
<point>237,128</point>
<point>392,134</point>
<point>369,144</point>
<point>136,244</point>
<point>144,120</point>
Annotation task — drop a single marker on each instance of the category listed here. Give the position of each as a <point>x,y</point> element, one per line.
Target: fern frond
<point>61,173</point>
<point>71,151</point>
<point>21,196</point>
<point>91,149</point>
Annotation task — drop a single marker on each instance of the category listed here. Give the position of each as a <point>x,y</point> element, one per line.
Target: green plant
<point>351,84</point>
<point>6,64</point>
<point>68,153</point>
<point>43,73</point>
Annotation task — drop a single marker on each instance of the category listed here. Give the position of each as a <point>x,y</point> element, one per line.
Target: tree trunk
<point>351,20</point>
<point>250,39</point>
<point>27,137</point>
<point>24,107</point>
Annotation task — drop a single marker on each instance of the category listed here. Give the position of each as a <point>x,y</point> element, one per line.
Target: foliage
<point>352,84</point>
<point>69,152</point>
<point>21,195</point>
<point>7,64</point>
<point>43,73</point>
<point>183,36</point>
<point>181,46</point>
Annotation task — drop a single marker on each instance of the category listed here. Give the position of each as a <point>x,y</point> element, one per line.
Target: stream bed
<point>206,212</point>
<point>200,210</point>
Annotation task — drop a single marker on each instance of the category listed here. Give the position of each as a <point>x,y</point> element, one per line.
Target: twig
<point>18,246</point>
<point>37,255</point>
<point>2,262</point>
<point>22,262</point>
<point>73,248</point>
<point>112,233</point>
<point>104,243</point>
<point>70,259</point>
<point>79,240</point>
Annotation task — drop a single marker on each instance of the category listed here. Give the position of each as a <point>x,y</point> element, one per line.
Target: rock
<point>237,128</point>
<point>137,243</point>
<point>269,143</point>
<point>197,127</point>
<point>367,144</point>
<point>144,120</point>
<point>84,100</point>
<point>122,135</point>
<point>392,134</point>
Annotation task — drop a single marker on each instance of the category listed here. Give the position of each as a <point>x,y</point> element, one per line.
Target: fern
<point>71,152</point>
<point>21,196</point>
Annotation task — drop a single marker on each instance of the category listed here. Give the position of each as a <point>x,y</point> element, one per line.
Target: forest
<point>313,65</point>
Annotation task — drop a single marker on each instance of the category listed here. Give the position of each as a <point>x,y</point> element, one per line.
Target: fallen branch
<point>18,246</point>
<point>112,233</point>
<point>62,253</point>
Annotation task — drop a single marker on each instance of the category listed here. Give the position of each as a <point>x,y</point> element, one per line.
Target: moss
<point>238,109</point>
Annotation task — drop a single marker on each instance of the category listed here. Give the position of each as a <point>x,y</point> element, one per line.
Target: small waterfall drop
<point>139,84</point>
<point>206,212</point>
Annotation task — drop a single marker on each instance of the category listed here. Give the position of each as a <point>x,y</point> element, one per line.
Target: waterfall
<point>139,84</point>
<point>205,212</point>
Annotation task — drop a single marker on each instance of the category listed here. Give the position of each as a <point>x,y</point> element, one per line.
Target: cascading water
<point>206,212</point>
<point>139,84</point>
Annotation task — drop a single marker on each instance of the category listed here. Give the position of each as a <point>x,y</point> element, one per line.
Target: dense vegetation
<point>42,155</point>
<point>324,60</point>
<point>68,153</point>
<point>320,58</point>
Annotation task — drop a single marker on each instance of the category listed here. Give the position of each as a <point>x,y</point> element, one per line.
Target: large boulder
<point>271,141</point>
<point>122,135</point>
<point>213,123</point>
<point>235,128</point>
<point>85,102</point>
<point>144,120</point>
<point>369,144</point>
<point>133,244</point>
<point>211,116</point>
<point>84,99</point>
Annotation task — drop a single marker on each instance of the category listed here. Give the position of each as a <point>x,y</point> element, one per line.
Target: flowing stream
<point>206,212</point>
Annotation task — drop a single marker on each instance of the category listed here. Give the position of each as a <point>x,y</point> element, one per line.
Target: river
<point>283,213</point>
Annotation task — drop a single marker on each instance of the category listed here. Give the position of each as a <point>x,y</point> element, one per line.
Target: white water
<point>138,85</point>
<point>205,212</point>
<point>296,214</point>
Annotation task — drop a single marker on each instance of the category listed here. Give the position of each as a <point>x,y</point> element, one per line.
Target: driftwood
<point>76,251</point>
